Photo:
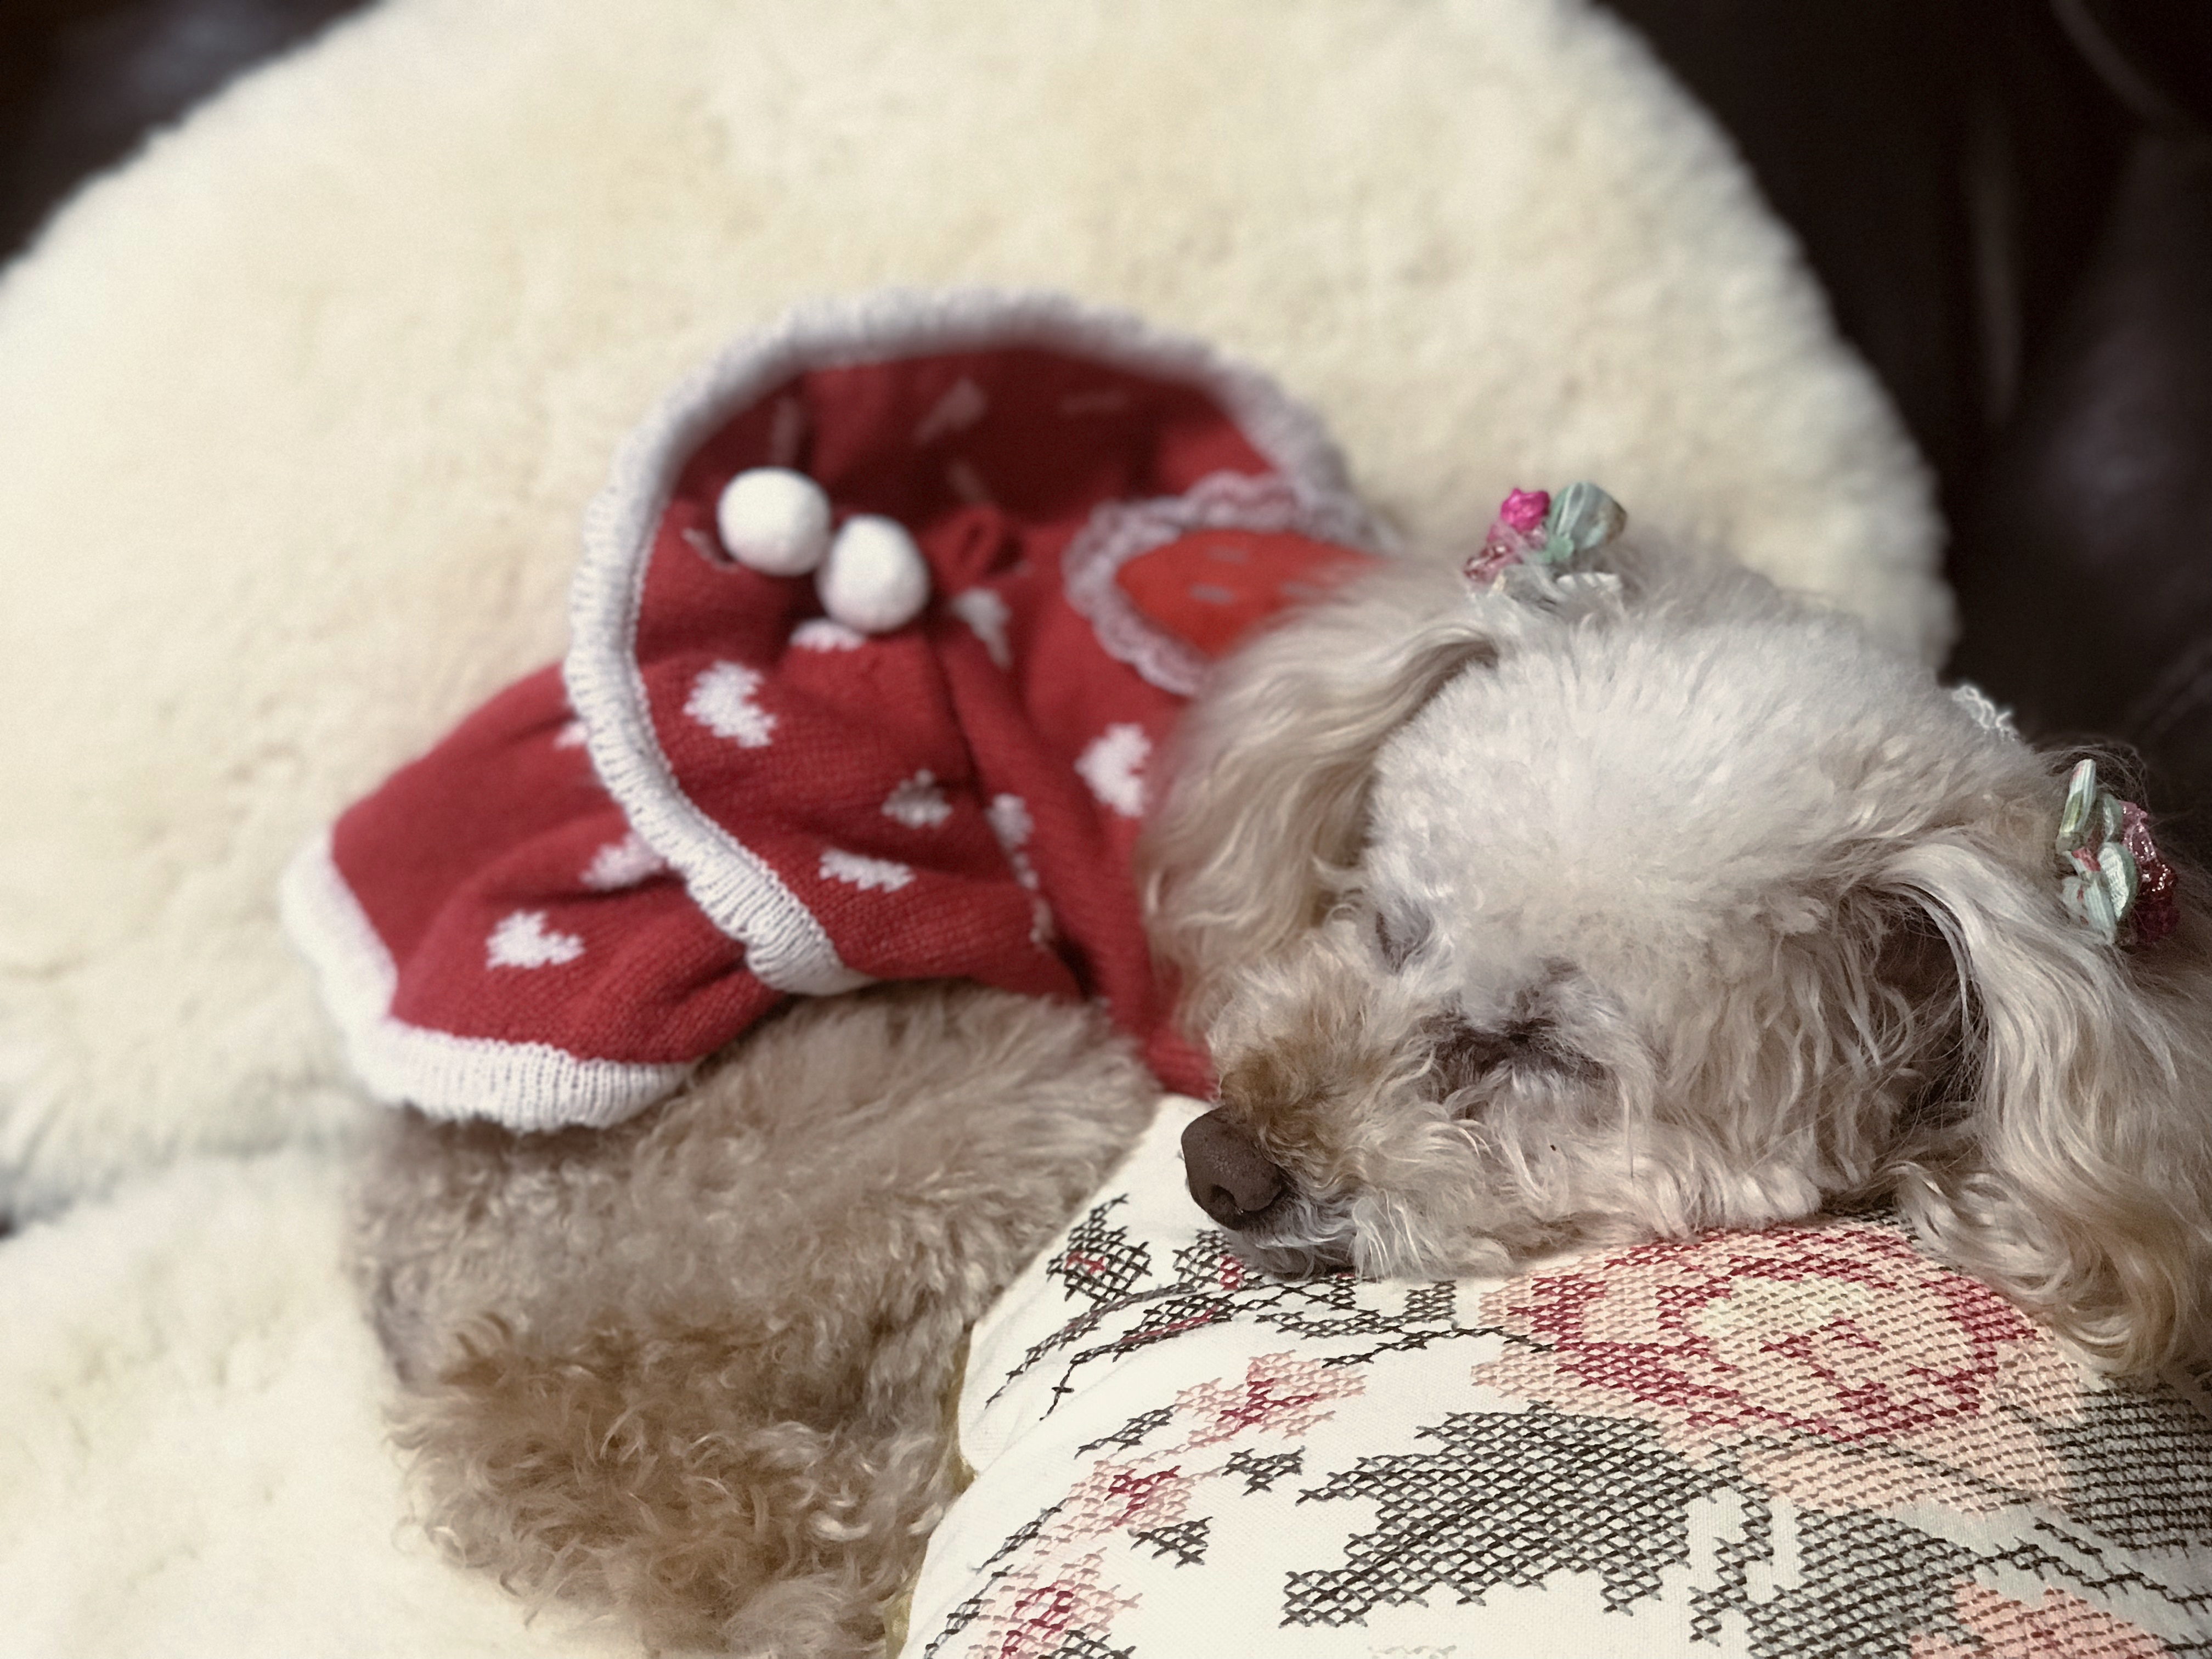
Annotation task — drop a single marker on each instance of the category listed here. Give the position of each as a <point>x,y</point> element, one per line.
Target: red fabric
<point>505,816</point>
<point>1212,588</point>
<point>504,881</point>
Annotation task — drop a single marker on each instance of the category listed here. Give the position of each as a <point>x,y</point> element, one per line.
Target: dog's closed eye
<point>1464,1053</point>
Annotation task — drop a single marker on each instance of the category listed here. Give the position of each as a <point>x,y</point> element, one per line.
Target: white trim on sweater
<point>1119,532</point>
<point>523,1085</point>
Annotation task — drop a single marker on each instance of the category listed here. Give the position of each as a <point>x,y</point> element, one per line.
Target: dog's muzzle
<point>1233,1181</point>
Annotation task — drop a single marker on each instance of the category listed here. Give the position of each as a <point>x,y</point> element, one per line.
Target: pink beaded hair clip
<point>1550,535</point>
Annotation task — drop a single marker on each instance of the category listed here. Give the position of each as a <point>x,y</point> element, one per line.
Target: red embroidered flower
<point>1840,1365</point>
<point>2061,1624</point>
<point>1023,1618</point>
<point>1281,1393</point>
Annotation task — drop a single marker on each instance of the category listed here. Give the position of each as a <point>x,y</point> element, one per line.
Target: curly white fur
<point>1523,920</point>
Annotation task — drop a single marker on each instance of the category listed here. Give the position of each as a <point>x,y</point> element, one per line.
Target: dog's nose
<point>1232,1180</point>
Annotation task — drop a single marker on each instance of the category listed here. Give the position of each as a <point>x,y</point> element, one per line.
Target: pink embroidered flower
<point>1054,1584</point>
<point>1117,1498</point>
<point>1840,1366</point>
<point>1031,1618</point>
<point>1281,1394</point>
<point>2062,1624</point>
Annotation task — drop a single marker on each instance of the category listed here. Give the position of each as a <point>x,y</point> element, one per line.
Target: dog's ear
<point>1265,812</point>
<point>2077,1176</point>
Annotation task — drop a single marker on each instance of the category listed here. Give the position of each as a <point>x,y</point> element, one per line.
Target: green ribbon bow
<point>2100,879</point>
<point>1582,519</point>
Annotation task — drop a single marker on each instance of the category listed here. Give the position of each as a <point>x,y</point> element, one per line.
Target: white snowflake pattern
<point>918,803</point>
<point>621,863</point>
<point>962,478</point>
<point>788,435</point>
<point>722,701</point>
<point>821,633</point>
<point>963,404</point>
<point>523,939</point>
<point>1114,764</point>
<point>869,875</point>
<point>1108,400</point>
<point>1010,821</point>
<point>570,736</point>
<point>706,547</point>
<point>986,616</point>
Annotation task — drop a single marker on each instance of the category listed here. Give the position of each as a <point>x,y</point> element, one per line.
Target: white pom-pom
<point>875,579</point>
<point>774,520</point>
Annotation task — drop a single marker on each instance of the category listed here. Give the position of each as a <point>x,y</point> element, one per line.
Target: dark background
<point>2008,202</point>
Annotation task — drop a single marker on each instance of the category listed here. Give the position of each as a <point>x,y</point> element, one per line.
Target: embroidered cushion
<point>1805,1442</point>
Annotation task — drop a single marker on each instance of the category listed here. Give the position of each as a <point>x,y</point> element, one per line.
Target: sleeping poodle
<point>1690,909</point>
<point>1521,913</point>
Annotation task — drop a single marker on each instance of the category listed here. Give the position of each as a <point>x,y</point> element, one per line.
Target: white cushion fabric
<point>1805,1442</point>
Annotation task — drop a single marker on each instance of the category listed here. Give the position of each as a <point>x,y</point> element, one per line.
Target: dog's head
<point>1513,925</point>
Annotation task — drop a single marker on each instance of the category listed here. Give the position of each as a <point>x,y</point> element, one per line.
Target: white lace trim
<point>522,1085</point>
<point>1119,532</point>
<point>785,945</point>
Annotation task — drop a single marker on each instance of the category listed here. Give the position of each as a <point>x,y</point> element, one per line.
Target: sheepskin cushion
<point>192,1457</point>
<point>1805,1442</point>
<point>302,407</point>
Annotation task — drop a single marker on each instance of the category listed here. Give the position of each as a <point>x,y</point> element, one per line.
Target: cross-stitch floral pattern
<point>1141,1501</point>
<point>1848,1370</point>
<point>1280,1392</point>
<point>2058,1623</point>
<point>1043,1619</point>
<point>1805,1443</point>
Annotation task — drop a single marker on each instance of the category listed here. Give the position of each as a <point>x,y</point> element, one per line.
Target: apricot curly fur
<point>697,1367</point>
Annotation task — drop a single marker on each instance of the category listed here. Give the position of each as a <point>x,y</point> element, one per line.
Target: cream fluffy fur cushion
<point>302,408</point>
